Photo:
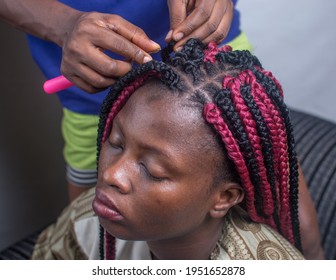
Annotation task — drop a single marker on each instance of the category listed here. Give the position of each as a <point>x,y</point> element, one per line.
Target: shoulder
<point>244,239</point>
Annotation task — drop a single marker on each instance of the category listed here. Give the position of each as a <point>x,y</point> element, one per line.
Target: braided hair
<point>244,106</point>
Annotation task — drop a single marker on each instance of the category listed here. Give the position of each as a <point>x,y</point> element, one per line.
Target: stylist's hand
<point>84,62</point>
<point>207,20</point>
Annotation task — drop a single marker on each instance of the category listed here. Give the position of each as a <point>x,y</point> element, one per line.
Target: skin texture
<point>164,194</point>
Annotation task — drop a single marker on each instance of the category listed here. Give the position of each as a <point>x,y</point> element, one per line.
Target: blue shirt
<point>150,15</point>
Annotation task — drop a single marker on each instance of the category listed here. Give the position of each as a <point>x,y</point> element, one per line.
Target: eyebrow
<point>155,150</point>
<point>144,146</point>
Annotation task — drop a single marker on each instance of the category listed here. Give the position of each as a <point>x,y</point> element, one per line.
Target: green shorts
<point>80,134</point>
<point>80,149</point>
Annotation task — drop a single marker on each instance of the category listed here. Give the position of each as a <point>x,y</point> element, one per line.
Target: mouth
<point>105,208</point>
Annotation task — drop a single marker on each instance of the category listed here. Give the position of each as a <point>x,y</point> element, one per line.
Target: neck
<point>196,246</point>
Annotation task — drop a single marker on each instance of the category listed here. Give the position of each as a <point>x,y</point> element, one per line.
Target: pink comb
<point>56,84</point>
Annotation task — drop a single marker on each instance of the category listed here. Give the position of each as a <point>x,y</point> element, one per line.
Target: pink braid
<point>279,140</point>
<point>233,84</point>
<point>213,116</point>
<point>269,74</point>
<point>211,51</point>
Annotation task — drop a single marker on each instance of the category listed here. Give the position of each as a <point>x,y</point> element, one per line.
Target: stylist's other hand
<point>84,62</point>
<point>207,20</point>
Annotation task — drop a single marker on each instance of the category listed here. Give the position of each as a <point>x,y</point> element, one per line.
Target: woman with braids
<point>196,160</point>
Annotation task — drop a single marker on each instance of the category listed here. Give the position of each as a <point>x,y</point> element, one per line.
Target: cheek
<point>158,202</point>
<point>171,201</point>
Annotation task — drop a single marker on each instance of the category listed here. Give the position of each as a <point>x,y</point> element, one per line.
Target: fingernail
<point>147,59</point>
<point>178,36</point>
<point>157,47</point>
<point>179,49</point>
<point>169,35</point>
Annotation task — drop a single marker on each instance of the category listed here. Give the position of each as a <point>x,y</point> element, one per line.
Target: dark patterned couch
<point>316,148</point>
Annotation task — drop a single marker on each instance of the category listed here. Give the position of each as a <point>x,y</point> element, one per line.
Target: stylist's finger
<point>96,78</point>
<point>221,32</point>
<point>107,32</point>
<point>130,32</point>
<point>87,87</point>
<point>120,36</point>
<point>178,10</point>
<point>215,28</point>
<point>194,16</point>
<point>93,33</point>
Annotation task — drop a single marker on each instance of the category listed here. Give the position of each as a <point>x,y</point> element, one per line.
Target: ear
<point>226,196</point>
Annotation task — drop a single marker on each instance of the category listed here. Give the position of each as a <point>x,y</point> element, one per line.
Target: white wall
<point>296,40</point>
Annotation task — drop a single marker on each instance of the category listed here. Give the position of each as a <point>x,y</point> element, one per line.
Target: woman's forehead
<point>158,110</point>
<point>171,125</point>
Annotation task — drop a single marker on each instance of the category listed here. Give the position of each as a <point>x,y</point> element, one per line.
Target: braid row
<point>263,137</point>
<point>235,124</point>
<point>250,127</point>
<point>252,95</point>
<point>275,94</point>
<point>213,116</point>
<point>190,59</point>
<point>278,136</point>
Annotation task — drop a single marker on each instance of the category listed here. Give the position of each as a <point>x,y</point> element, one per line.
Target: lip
<point>105,208</point>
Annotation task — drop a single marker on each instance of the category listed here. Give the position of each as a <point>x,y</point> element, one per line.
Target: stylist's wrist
<point>64,29</point>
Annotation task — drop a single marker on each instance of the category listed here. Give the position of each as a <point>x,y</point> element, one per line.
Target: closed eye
<point>115,145</point>
<point>150,175</point>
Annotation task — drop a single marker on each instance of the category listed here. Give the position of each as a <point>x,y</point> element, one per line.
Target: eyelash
<point>115,146</point>
<point>148,174</point>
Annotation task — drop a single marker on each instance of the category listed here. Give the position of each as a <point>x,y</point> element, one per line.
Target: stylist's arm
<point>83,38</point>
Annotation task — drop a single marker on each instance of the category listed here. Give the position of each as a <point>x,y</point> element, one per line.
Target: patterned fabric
<point>316,148</point>
<point>241,238</point>
<point>59,241</point>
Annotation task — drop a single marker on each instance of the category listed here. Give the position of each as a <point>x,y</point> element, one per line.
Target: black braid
<point>165,52</point>
<point>241,59</point>
<point>273,91</point>
<point>223,101</point>
<point>266,143</point>
<point>101,243</point>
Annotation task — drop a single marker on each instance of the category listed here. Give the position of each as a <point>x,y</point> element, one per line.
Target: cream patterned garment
<point>243,239</point>
<point>75,235</point>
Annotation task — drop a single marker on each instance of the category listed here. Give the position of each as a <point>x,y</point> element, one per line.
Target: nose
<point>118,174</point>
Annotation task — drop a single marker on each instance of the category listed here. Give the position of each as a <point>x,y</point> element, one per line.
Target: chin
<point>120,231</point>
